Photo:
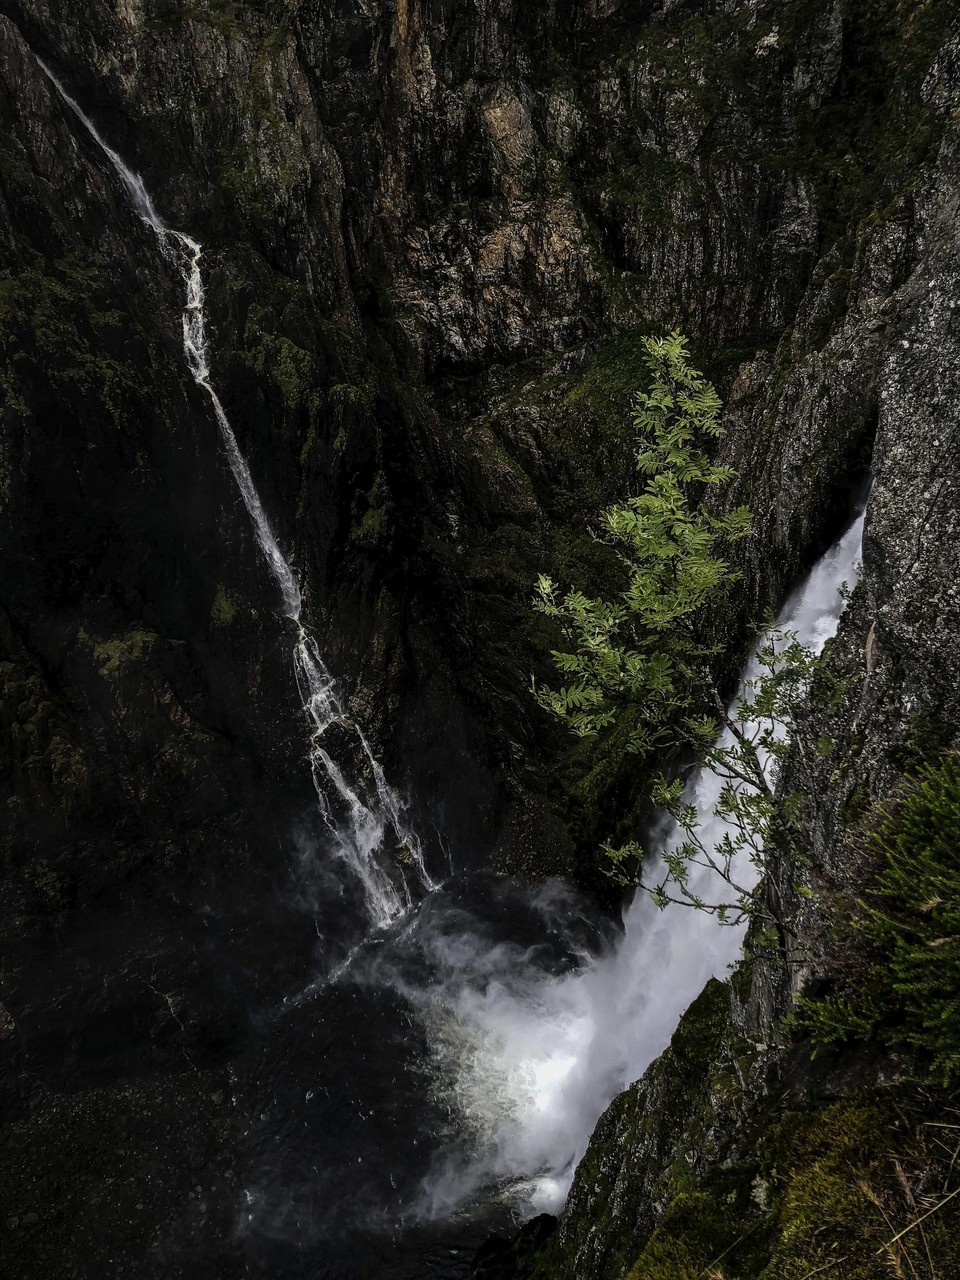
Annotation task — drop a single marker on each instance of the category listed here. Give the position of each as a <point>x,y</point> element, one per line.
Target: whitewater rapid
<point>359,828</point>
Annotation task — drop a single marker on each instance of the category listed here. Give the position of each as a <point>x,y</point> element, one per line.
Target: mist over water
<point>446,1071</point>
<point>525,1016</point>
<point>533,1061</point>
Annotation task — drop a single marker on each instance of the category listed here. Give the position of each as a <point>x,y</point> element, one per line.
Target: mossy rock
<point>850,1178</point>
<point>841,1189</point>
<point>693,1236</point>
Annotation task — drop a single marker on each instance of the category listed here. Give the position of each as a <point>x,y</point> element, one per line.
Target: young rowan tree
<point>640,660</point>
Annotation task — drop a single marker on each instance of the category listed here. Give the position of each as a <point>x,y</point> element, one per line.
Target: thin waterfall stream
<point>358,830</point>
<point>448,1076</point>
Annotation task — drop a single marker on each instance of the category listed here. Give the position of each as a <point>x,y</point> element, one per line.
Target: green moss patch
<point>48,312</point>
<point>838,1191</point>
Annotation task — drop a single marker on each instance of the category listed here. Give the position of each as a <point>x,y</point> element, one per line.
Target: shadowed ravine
<point>326,328</point>
<point>445,1076</point>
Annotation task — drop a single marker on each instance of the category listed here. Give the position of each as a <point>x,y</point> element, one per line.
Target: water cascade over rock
<point>534,1062</point>
<point>522,1023</point>
<point>359,830</point>
<point>525,1028</point>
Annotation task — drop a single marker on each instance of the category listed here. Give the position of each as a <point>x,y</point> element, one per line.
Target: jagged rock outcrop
<point>398,199</point>
<point>897,646</point>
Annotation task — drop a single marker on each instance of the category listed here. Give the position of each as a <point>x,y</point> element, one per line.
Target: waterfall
<point>533,1059</point>
<point>525,1052</point>
<point>358,831</point>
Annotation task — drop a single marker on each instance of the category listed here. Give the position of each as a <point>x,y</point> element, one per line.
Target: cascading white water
<point>358,831</point>
<point>526,1060</point>
<point>531,1061</point>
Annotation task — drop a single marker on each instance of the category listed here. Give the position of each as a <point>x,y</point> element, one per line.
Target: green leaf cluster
<point>641,649</point>
<point>637,669</point>
<point>905,993</point>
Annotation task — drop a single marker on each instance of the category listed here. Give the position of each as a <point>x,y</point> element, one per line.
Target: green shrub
<point>904,992</point>
<point>637,674</point>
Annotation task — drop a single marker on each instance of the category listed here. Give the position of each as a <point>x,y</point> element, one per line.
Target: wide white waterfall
<point>359,829</point>
<point>530,1061</point>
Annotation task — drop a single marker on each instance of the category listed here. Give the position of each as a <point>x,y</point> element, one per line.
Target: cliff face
<point>739,1143</point>
<point>431,231</point>
<point>401,203</point>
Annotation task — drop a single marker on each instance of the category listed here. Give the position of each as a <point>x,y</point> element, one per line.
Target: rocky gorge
<point>434,233</point>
